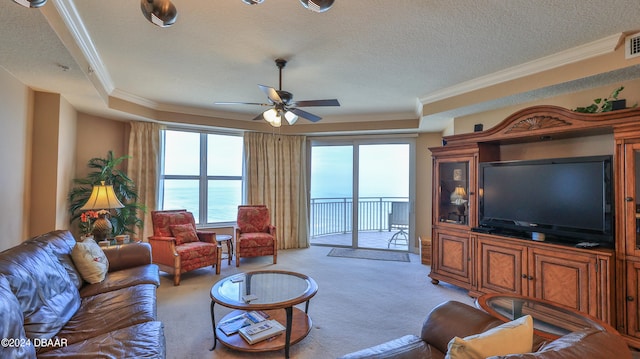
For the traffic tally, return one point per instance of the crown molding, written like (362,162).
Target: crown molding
(418,110)
(199,111)
(135,99)
(573,55)
(69,14)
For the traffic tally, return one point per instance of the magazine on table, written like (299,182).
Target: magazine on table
(258,332)
(233,324)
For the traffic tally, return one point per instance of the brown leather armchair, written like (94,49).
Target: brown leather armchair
(177,247)
(255,236)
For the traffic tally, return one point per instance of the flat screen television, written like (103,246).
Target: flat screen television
(566,200)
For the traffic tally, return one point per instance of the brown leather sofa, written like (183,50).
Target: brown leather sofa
(457,319)
(48,311)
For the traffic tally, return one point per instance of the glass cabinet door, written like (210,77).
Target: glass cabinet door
(631,175)
(635,180)
(453,198)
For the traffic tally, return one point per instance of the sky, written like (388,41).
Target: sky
(224,157)
(383,171)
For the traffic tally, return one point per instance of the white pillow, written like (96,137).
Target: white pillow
(90,261)
(515,337)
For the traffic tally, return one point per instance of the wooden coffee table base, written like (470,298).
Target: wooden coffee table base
(300,328)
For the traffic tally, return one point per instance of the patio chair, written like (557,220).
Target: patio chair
(399,221)
(255,236)
(177,247)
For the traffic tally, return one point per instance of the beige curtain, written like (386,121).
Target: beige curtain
(143,167)
(276,176)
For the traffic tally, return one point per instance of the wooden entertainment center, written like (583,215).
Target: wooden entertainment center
(599,281)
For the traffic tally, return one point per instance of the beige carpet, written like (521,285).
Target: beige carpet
(359,303)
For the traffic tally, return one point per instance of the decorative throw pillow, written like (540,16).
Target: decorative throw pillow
(90,261)
(515,337)
(184,233)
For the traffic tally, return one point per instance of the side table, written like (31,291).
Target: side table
(220,238)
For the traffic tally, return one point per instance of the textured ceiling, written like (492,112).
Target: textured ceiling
(378,58)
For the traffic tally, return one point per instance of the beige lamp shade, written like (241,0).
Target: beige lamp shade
(458,195)
(102,197)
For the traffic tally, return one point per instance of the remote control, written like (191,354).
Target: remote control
(249,297)
(587,244)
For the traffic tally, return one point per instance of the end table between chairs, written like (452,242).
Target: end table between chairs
(220,238)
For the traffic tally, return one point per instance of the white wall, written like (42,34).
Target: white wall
(15,120)
(66,161)
(37,158)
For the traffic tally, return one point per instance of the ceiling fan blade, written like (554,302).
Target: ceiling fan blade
(242,103)
(259,117)
(271,93)
(309,116)
(313,103)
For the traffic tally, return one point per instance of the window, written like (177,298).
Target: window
(202,173)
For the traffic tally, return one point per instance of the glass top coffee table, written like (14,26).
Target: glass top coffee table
(550,320)
(269,291)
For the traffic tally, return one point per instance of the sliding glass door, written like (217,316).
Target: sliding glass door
(331,200)
(361,194)
(383,196)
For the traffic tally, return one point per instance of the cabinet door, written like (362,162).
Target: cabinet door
(631,199)
(452,258)
(632,299)
(454,196)
(501,266)
(563,277)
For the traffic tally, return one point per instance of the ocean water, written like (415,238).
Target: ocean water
(383,177)
(224,198)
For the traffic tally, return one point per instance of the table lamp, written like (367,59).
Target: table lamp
(102,199)
(458,198)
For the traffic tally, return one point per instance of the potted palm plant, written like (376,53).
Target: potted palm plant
(124,220)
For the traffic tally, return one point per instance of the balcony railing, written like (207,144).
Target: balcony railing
(333,215)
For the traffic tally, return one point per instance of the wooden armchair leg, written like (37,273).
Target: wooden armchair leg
(176,278)
(275,250)
(218,260)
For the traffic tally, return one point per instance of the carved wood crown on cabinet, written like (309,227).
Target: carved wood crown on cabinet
(601,282)
(536,123)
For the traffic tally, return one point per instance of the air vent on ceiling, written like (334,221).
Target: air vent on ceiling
(632,46)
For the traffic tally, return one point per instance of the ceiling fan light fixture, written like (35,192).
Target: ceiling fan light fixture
(281,106)
(277,122)
(317,5)
(159,12)
(31,3)
(291,117)
(273,117)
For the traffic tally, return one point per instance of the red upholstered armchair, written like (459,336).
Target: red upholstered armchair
(255,236)
(177,247)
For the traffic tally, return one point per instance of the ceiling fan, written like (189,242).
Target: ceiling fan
(282,104)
